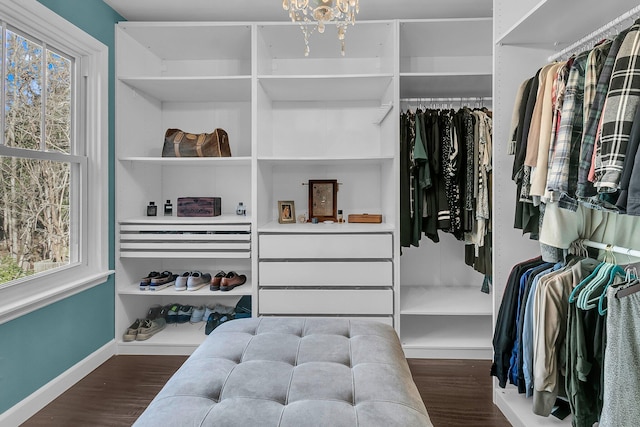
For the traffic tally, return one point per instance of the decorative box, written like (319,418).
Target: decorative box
(366,218)
(199,206)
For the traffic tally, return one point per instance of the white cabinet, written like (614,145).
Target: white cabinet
(290,119)
(443,314)
(527,34)
(196,77)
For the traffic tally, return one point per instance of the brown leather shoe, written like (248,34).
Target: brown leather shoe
(231,280)
(216,280)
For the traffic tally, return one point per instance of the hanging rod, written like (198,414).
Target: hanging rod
(612,248)
(466,98)
(595,34)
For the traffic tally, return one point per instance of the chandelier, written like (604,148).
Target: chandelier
(306,12)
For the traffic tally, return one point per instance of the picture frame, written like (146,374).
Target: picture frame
(323,199)
(286,212)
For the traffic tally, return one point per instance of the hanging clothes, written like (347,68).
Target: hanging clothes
(445,180)
(622,378)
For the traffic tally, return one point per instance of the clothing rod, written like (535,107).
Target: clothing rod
(597,33)
(467,98)
(612,248)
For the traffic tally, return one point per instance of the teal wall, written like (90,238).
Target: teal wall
(37,347)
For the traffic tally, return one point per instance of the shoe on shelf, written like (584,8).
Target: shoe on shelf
(184,313)
(212,322)
(231,280)
(144,282)
(162,281)
(172,313)
(181,281)
(215,320)
(132,331)
(198,280)
(215,281)
(198,314)
(149,328)
(155,311)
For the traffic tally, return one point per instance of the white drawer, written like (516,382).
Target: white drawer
(310,246)
(325,301)
(329,273)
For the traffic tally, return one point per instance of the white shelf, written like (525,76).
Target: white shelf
(333,161)
(366,39)
(193,89)
(190,161)
(519,411)
(353,87)
(437,85)
(174,220)
(546,25)
(245,289)
(192,40)
(464,37)
(444,301)
(446,332)
(306,228)
(175,338)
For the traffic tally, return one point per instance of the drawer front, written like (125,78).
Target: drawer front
(330,273)
(325,301)
(310,246)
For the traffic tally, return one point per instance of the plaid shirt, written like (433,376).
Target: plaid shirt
(585,187)
(562,177)
(595,63)
(622,100)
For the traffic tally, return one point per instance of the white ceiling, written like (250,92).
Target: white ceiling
(271,10)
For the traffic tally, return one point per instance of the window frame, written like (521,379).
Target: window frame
(90,119)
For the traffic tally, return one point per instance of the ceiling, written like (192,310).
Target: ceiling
(271,10)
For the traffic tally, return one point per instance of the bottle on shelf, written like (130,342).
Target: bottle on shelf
(168,208)
(152,209)
(241,209)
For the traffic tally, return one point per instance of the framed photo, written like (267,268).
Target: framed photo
(286,212)
(323,199)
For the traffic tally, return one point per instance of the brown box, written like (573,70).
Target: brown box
(199,206)
(366,218)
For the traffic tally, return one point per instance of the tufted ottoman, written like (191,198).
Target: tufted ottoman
(292,372)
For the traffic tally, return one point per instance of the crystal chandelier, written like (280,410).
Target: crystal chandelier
(342,12)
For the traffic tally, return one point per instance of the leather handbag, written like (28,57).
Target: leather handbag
(183,144)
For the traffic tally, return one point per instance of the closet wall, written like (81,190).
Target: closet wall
(526,34)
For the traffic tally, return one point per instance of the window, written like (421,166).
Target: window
(53,155)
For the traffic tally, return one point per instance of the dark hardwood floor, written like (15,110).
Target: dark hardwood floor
(455,392)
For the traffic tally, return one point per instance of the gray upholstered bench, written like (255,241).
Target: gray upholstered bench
(292,372)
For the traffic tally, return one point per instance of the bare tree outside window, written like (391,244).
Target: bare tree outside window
(35,193)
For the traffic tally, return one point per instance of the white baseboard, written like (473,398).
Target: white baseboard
(40,398)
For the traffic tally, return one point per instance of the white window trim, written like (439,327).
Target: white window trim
(42,290)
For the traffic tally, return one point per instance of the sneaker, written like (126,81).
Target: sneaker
(215,282)
(132,331)
(231,280)
(163,281)
(155,311)
(198,280)
(184,313)
(197,315)
(181,281)
(172,313)
(212,322)
(144,282)
(149,328)
(215,320)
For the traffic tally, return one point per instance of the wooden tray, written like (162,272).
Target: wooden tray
(366,218)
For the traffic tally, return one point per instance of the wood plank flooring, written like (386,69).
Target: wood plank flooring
(455,392)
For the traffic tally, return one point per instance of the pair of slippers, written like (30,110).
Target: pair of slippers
(226,281)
